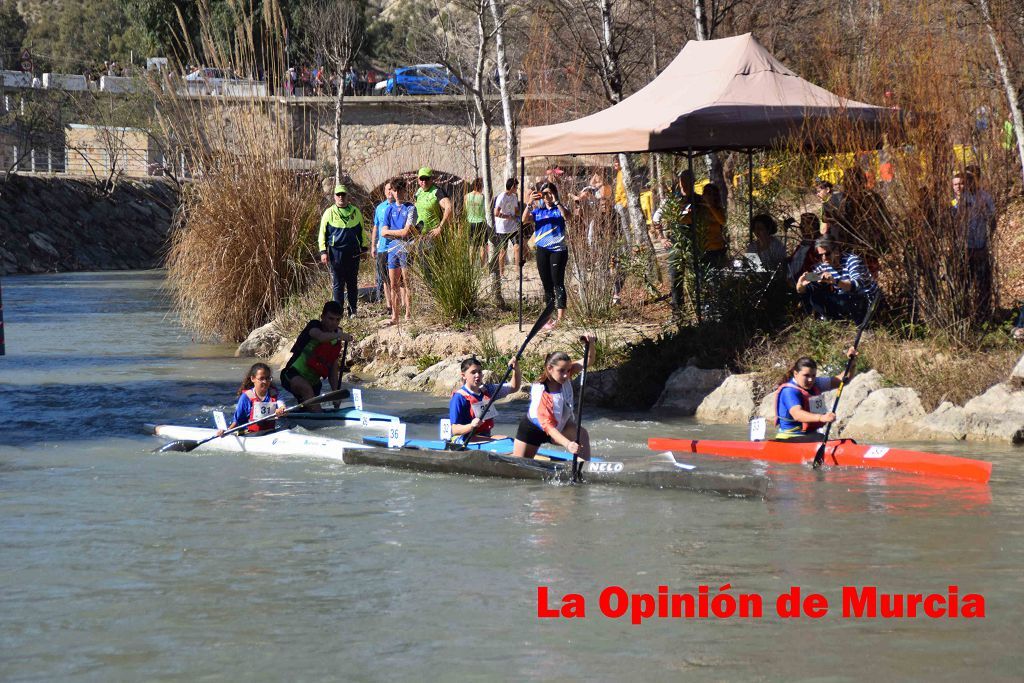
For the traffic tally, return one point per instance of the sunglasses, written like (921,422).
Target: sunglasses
(424,177)
(339,194)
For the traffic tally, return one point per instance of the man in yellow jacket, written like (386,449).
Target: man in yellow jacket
(342,243)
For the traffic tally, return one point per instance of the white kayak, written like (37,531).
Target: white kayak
(279,442)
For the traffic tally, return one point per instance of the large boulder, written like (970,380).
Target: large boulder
(948,421)
(261,342)
(996,415)
(888,414)
(441,378)
(731,403)
(1017,374)
(687,387)
(602,387)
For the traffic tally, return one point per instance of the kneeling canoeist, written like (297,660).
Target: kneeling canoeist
(316,355)
(464,409)
(551,417)
(257,398)
(799,404)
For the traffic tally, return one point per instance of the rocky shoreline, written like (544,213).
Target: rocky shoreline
(870,410)
(62,224)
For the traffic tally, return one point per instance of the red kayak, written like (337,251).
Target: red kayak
(840,452)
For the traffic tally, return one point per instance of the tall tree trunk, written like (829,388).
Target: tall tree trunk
(511,140)
(485,148)
(655,159)
(713,161)
(339,103)
(1004,73)
(640,238)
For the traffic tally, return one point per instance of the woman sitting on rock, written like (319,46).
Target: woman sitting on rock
(799,404)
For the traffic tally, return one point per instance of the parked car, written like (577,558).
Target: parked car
(423,79)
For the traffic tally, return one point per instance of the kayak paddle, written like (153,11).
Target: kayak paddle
(187,445)
(544,315)
(819,456)
(577,463)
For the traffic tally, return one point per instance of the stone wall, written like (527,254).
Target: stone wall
(57,224)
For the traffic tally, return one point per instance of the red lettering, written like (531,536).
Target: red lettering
(815,606)
(621,602)
(788,604)
(574,606)
(974,606)
(543,611)
(935,606)
(954,603)
(859,603)
(643,607)
(892,605)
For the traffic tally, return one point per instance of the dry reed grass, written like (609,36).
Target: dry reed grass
(245,236)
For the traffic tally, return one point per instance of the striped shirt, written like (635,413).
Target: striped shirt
(851,268)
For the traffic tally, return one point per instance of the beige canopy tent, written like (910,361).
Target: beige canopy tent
(725,94)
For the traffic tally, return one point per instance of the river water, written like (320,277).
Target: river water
(119,564)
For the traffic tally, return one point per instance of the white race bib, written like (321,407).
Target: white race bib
(261,410)
(220,420)
(396,435)
(446,430)
(477,408)
(758,427)
(357,399)
(817,405)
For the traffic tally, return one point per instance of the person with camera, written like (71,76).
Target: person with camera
(548,215)
(840,286)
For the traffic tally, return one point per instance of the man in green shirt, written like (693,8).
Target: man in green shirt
(433,205)
(342,243)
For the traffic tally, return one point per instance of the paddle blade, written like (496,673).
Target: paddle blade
(183,446)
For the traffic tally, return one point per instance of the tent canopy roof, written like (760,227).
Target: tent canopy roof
(729,93)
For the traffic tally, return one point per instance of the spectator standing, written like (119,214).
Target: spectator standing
(865,218)
(506,223)
(768,248)
(710,222)
(476,216)
(342,242)
(831,201)
(548,216)
(621,199)
(976,215)
(679,208)
(839,287)
(378,243)
(433,205)
(401,225)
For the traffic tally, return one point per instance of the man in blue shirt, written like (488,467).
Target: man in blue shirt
(377,243)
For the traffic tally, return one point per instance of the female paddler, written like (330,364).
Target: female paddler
(551,417)
(469,400)
(799,404)
(257,399)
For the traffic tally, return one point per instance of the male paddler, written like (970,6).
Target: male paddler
(316,355)
(341,245)
(433,205)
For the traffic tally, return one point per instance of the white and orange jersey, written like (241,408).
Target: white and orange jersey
(551,408)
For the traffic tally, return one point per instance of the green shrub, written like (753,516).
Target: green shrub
(449,272)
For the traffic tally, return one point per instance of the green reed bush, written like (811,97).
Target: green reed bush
(447,271)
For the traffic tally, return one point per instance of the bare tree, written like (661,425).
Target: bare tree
(337,35)
(511,136)
(1012,96)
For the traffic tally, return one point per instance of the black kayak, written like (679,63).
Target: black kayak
(660,471)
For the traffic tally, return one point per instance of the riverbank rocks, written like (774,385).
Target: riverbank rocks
(1017,374)
(946,422)
(996,415)
(732,402)
(262,342)
(64,224)
(687,387)
(440,378)
(886,414)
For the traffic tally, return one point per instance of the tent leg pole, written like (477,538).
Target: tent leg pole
(522,243)
(750,195)
(698,270)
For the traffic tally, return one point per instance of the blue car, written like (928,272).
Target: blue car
(423,79)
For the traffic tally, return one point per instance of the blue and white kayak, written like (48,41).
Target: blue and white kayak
(500,446)
(350,417)
(283,442)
